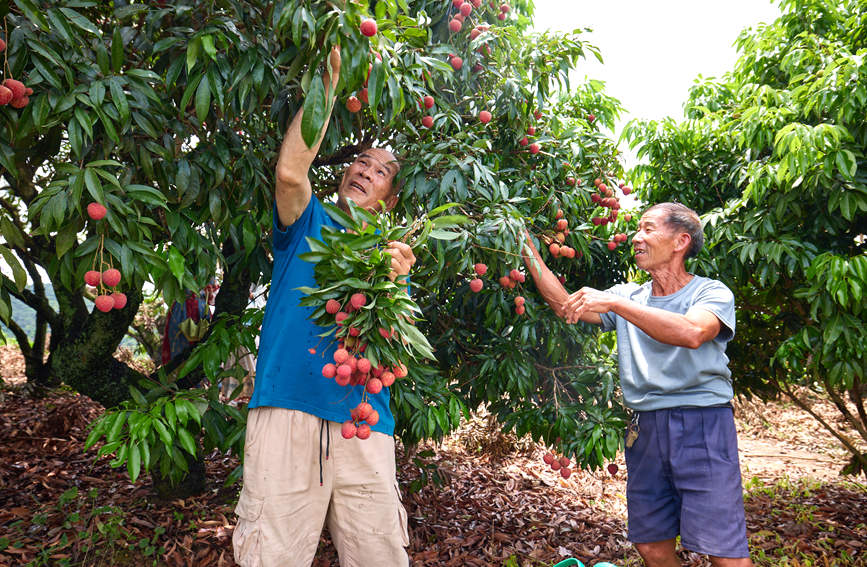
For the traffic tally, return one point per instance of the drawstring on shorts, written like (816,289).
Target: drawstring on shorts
(327,429)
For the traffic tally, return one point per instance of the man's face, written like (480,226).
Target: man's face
(655,242)
(368,180)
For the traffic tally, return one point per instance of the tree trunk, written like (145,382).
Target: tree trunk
(82,355)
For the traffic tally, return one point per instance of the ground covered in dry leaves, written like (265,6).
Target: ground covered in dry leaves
(489,500)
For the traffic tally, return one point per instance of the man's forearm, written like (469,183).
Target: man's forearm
(667,327)
(553,292)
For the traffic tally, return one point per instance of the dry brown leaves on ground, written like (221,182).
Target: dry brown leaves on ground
(498,505)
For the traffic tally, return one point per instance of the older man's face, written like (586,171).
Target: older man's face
(655,241)
(369,179)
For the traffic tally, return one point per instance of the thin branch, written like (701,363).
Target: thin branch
(21,337)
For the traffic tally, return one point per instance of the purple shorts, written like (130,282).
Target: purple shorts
(684,479)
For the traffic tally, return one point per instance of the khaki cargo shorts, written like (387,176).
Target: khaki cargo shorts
(299,474)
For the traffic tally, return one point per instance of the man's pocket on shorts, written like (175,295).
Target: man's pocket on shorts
(247,537)
(402,518)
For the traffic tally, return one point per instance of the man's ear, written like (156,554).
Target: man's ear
(391,202)
(682,242)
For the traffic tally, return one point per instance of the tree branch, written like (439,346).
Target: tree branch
(21,337)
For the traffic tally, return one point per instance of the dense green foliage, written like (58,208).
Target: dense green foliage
(170,114)
(774,156)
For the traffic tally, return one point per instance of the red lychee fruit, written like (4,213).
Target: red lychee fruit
(612,245)
(519,301)
(428,101)
(554,249)
(363,365)
(501,16)
(374,385)
(332,306)
(341,355)
(19,102)
(104,303)
(517,276)
(591,118)
(362,95)
(612,469)
(504,7)
(92,277)
(456,63)
(384,333)
(466,9)
(627,217)
(427,121)
(368,27)
(559,214)
(531,131)
(455,25)
(399,371)
(519,310)
(460,17)
(474,33)
(565,472)
(505,281)
(344,371)
(387,378)
(548,458)
(564,461)
(119,300)
(373,418)
(111,277)
(96,211)
(537,115)
(363,410)
(363,431)
(358,300)
(484,116)
(570,181)
(534,148)
(329,370)
(5,95)
(348,429)
(481,269)
(555,464)
(562,224)
(342,379)
(476,285)
(341,317)
(524,141)
(353,105)
(3,45)
(17,87)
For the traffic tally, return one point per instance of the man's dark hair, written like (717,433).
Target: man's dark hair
(681,218)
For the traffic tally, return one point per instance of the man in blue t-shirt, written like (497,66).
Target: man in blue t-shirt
(299,471)
(683,473)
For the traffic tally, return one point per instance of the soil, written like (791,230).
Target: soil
(490,500)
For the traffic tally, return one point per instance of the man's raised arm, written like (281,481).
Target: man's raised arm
(293,189)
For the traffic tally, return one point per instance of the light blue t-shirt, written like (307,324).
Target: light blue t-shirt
(287,375)
(655,375)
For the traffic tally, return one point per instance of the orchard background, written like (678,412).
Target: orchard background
(170,115)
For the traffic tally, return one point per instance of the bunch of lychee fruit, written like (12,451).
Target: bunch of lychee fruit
(508,281)
(558,464)
(351,368)
(101,279)
(13,92)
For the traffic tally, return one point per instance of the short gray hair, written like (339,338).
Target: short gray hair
(683,219)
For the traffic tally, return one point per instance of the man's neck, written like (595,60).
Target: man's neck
(669,280)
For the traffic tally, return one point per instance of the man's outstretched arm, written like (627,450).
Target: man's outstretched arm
(293,189)
(549,286)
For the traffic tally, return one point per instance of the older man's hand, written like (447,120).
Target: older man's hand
(402,259)
(587,300)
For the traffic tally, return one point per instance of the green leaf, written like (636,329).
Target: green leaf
(203,99)
(176,263)
(18,273)
(375,84)
(187,441)
(133,463)
(80,21)
(316,112)
(116,50)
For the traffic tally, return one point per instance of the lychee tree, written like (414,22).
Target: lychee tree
(169,114)
(773,154)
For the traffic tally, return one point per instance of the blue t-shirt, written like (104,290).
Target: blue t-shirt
(655,375)
(287,375)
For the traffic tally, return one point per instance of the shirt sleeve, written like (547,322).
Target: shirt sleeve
(609,320)
(719,300)
(287,240)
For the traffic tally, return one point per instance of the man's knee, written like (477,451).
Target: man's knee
(658,553)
